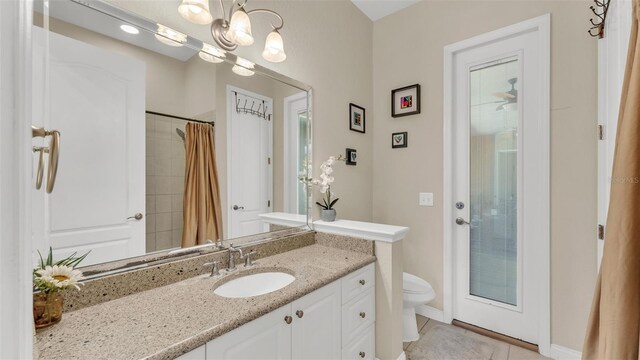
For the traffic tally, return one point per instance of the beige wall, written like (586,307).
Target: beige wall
(329,46)
(408,49)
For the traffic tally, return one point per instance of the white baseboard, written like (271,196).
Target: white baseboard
(563,353)
(430,312)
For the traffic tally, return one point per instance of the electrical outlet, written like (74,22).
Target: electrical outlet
(426,199)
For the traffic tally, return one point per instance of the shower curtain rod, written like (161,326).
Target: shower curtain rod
(212,123)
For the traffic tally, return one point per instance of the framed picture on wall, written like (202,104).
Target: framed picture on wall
(405,101)
(352,157)
(399,140)
(357,120)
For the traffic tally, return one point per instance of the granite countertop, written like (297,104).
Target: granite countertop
(166,322)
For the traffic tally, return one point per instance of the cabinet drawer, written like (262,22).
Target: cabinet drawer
(362,347)
(357,315)
(358,282)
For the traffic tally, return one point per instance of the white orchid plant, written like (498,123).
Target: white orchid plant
(325,182)
(52,276)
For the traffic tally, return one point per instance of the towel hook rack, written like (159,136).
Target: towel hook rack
(600,11)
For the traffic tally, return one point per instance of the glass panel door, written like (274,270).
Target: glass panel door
(493,181)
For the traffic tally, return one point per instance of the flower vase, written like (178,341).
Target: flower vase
(47,309)
(328,215)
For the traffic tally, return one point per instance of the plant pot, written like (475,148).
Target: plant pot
(47,309)
(328,215)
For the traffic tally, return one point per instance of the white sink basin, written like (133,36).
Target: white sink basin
(254,284)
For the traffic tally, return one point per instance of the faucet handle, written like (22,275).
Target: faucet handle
(214,270)
(248,261)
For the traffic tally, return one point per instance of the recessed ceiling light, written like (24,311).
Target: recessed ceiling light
(129,29)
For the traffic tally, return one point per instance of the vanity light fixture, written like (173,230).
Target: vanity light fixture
(168,36)
(129,29)
(243,67)
(234,30)
(211,54)
(196,11)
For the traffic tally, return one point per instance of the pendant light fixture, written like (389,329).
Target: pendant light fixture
(234,30)
(168,36)
(243,67)
(196,11)
(211,54)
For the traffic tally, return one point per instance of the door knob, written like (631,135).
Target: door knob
(236,207)
(461,221)
(136,216)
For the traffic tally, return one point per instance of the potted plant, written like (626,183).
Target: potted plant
(49,279)
(328,213)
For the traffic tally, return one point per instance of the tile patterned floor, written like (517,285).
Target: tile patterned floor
(501,350)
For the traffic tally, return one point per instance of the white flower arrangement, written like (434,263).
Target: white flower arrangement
(325,182)
(52,276)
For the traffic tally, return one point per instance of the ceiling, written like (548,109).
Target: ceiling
(377,9)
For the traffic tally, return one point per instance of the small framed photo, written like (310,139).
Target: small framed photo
(352,157)
(357,119)
(405,101)
(399,140)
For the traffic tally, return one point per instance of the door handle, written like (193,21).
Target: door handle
(461,221)
(136,216)
(54,153)
(236,207)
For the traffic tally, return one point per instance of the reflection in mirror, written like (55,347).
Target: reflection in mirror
(164,144)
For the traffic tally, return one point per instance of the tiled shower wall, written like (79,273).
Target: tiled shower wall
(165,168)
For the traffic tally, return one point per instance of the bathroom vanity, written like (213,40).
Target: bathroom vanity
(328,311)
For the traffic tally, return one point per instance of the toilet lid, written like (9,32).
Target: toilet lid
(414,285)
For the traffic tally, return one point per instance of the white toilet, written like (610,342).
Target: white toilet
(415,292)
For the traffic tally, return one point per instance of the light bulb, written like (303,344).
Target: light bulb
(243,67)
(170,37)
(274,48)
(195,11)
(240,28)
(211,53)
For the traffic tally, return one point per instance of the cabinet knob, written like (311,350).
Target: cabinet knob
(288,319)
(362,354)
(362,282)
(362,314)
(300,313)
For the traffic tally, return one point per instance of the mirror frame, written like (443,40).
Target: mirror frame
(170,255)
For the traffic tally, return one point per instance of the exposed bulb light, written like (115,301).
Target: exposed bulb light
(129,29)
(274,48)
(211,54)
(195,11)
(240,28)
(243,67)
(168,36)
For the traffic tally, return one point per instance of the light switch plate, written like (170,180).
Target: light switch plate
(426,199)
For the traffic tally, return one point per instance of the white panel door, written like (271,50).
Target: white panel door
(296,125)
(316,325)
(96,99)
(250,174)
(497,163)
(268,337)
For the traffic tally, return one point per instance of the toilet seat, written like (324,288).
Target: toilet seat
(412,284)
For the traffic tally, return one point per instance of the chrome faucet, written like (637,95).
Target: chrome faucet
(232,260)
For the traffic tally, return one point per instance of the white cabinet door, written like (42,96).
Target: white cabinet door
(268,337)
(96,101)
(316,324)
(195,354)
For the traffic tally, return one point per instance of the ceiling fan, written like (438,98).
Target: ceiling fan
(510,98)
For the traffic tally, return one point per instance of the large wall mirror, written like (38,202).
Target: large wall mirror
(166,144)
